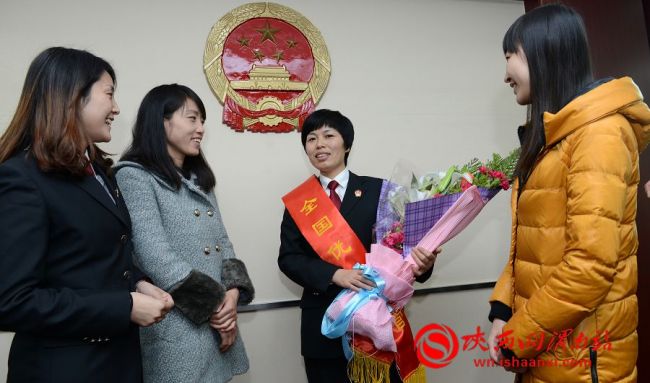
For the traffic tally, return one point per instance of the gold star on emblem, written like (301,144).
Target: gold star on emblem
(258,55)
(243,41)
(279,55)
(268,33)
(291,43)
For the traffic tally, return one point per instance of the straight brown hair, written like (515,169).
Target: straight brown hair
(46,122)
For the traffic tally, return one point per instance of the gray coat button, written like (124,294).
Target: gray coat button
(206,250)
(210,213)
(197,212)
(217,248)
(126,275)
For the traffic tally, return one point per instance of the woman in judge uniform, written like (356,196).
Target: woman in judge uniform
(327,138)
(67,282)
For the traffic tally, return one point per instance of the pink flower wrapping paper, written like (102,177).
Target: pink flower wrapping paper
(373,317)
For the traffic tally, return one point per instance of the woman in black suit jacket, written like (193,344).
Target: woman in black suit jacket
(66,277)
(327,137)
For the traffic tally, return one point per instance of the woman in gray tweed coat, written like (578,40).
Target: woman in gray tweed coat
(181,243)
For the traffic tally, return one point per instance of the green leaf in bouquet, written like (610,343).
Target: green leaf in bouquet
(427,183)
(446,180)
(510,163)
(472,166)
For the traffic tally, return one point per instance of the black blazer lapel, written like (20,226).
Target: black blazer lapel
(91,186)
(111,184)
(353,193)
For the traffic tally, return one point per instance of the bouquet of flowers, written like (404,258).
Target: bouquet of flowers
(409,211)
(426,212)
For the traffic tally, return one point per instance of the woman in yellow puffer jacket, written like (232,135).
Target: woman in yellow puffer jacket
(565,307)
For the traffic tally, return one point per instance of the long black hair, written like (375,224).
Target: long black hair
(554,40)
(149,146)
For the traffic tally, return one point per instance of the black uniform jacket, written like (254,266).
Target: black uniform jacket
(65,277)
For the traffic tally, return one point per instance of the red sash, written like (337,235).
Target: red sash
(321,223)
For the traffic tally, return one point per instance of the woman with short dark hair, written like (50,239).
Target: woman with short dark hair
(327,138)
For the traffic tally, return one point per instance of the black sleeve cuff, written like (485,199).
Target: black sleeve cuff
(425,276)
(197,296)
(499,310)
(508,353)
(139,275)
(234,275)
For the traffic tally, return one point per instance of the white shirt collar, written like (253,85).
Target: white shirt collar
(342,178)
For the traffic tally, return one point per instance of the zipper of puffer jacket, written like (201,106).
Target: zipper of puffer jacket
(593,358)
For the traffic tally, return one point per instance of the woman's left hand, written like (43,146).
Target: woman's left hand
(424,260)
(146,288)
(225,317)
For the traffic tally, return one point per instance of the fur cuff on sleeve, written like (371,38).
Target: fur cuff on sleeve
(234,274)
(197,296)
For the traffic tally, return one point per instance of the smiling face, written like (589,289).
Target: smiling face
(326,151)
(518,76)
(184,131)
(98,110)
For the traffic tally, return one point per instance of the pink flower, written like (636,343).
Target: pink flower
(395,237)
(482,169)
(464,184)
(505,185)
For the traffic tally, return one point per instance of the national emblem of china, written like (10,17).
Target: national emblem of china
(268,66)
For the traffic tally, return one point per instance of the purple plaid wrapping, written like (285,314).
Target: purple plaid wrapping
(420,216)
(386,216)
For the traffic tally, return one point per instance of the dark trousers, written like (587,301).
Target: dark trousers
(335,371)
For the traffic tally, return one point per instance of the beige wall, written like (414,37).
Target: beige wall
(421,80)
